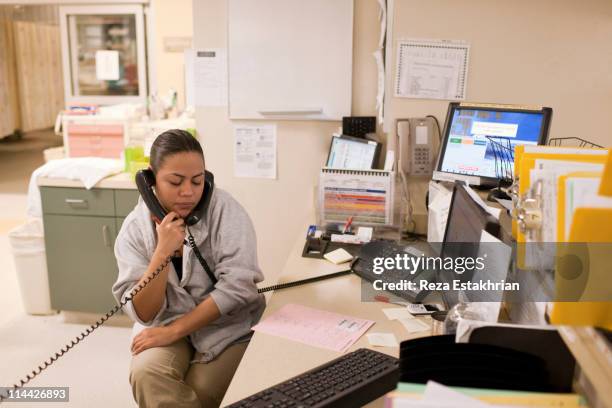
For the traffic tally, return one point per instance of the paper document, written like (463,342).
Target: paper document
(382,339)
(435,392)
(495,212)
(411,395)
(396,313)
(498,263)
(107,65)
(547,172)
(439,206)
(582,192)
(380,60)
(545,176)
(206,77)
(432,69)
(507,204)
(380,95)
(255,151)
(413,325)
(435,395)
(314,327)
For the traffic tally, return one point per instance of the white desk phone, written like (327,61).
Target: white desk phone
(417,145)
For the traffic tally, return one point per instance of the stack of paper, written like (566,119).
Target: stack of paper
(436,395)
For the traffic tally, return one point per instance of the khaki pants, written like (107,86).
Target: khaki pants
(163,377)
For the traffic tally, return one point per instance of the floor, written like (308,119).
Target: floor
(96,370)
(18,158)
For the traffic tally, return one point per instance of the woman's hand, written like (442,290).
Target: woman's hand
(170,234)
(153,337)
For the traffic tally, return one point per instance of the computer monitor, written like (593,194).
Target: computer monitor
(464,226)
(347,152)
(467,153)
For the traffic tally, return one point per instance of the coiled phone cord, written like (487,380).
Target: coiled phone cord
(90,329)
(212,277)
(303,281)
(79,338)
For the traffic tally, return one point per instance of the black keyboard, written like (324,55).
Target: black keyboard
(363,266)
(348,381)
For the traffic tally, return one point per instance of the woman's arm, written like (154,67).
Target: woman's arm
(203,314)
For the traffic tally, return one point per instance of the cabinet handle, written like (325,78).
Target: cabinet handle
(76,202)
(106,236)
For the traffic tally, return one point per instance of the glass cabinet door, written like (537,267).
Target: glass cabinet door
(104,49)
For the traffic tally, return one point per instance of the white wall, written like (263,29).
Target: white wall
(546,52)
(170,19)
(555,53)
(279,208)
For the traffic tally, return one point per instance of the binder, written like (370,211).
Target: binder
(589,225)
(525,161)
(538,167)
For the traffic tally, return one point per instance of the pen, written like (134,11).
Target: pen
(348,224)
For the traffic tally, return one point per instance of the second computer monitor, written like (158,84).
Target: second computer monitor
(467,151)
(354,153)
(462,237)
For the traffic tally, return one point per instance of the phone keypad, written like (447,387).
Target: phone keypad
(421,160)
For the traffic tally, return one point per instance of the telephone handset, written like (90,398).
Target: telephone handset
(417,147)
(145,180)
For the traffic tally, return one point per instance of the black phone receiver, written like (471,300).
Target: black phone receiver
(145,180)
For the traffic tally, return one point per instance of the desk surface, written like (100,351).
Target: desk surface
(269,360)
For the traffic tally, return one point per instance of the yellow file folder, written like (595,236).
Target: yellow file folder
(525,161)
(589,225)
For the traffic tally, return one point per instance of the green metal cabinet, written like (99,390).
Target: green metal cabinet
(125,200)
(80,230)
(80,260)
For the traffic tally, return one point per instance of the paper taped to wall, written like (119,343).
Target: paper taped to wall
(255,151)
(432,69)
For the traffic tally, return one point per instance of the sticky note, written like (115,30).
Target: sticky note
(338,256)
(397,313)
(382,339)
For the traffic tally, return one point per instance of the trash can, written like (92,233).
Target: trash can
(27,243)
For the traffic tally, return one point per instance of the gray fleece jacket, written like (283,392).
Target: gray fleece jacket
(226,238)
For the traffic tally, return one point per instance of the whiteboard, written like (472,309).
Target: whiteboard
(290,59)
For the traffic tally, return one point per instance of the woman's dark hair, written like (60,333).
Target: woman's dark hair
(171,142)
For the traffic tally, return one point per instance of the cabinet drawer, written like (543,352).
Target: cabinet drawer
(80,262)
(77,201)
(125,201)
(98,146)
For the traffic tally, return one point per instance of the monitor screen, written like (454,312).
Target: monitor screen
(470,131)
(464,226)
(348,152)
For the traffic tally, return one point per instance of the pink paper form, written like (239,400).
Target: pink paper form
(314,327)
